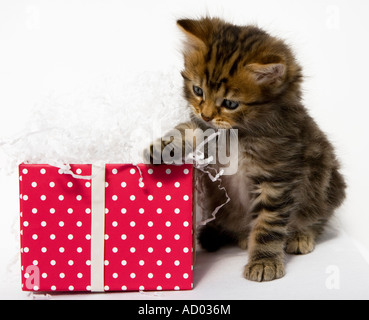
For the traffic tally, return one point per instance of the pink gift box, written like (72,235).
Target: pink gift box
(146,237)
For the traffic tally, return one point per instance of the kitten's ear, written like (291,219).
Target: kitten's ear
(268,74)
(196,31)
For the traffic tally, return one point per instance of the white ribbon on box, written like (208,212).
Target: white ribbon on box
(97,228)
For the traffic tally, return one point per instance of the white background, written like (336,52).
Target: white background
(55,46)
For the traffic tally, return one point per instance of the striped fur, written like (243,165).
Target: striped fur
(288,184)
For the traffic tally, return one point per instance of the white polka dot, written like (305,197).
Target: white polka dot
(88,210)
(52,236)
(25,197)
(88,184)
(52,210)
(168,197)
(185,197)
(115,275)
(141,262)
(53,288)
(61,223)
(132,171)
(132,197)
(88,237)
(124,263)
(35,262)
(106,210)
(79,197)
(62,275)
(71,288)
(159,288)
(106,288)
(115,250)
(53,262)
(141,210)
(35,288)
(176,210)
(79,275)
(43,171)
(34,210)
(150,197)
(168,223)
(70,236)
(123,184)
(159,184)
(70,184)
(25,171)
(43,249)
(185,250)
(186,224)
(34,184)
(124,210)
(176,288)
(114,224)
(176,237)
(168,275)
(61,249)
(177,184)
(79,171)
(141,184)
(44,275)
(185,275)
(26,223)
(150,223)
(159,210)
(168,249)
(79,250)
(132,275)
(168,171)
(150,275)
(79,224)
(60,171)
(71,262)
(150,250)
(114,171)
(52,184)
(150,171)
(43,197)
(186,171)
(61,197)
(133,250)
(43,223)
(106,184)
(159,262)
(141,288)
(106,262)
(159,237)
(132,223)
(124,288)
(141,237)
(123,236)
(176,263)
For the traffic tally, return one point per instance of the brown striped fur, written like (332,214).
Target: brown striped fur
(288,184)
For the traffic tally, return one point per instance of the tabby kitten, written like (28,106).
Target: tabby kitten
(288,184)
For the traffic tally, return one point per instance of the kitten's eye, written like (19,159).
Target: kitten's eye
(229,104)
(198,91)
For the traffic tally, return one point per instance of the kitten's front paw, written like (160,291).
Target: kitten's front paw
(300,244)
(265,270)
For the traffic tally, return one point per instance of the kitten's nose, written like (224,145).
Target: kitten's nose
(206,118)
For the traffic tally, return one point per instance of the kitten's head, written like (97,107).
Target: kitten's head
(232,71)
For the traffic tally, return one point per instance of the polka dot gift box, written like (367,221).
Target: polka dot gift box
(119,228)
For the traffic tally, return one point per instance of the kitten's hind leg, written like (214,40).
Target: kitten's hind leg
(212,238)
